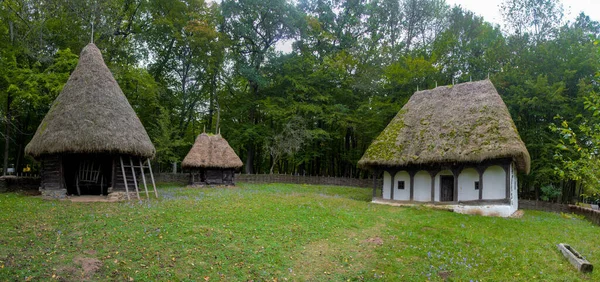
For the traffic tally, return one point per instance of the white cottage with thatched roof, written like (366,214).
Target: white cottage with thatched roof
(91,141)
(211,161)
(452,145)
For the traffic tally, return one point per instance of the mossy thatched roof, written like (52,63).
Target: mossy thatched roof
(91,115)
(211,151)
(466,122)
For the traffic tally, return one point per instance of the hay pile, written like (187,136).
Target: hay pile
(211,151)
(466,122)
(91,115)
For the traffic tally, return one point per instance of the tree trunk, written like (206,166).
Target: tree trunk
(249,159)
(6,134)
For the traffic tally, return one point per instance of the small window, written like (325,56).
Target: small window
(476,185)
(400,185)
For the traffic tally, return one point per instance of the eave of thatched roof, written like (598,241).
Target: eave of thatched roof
(211,151)
(91,115)
(464,123)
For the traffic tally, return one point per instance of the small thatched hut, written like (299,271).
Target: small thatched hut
(454,145)
(90,139)
(211,161)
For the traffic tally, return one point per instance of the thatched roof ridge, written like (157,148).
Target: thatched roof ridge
(91,115)
(211,151)
(463,123)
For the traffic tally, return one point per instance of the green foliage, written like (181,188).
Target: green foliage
(550,193)
(186,65)
(165,139)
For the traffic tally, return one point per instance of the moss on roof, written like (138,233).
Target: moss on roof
(468,122)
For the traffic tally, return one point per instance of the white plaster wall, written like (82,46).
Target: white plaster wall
(403,195)
(466,185)
(494,183)
(437,183)
(487,210)
(422,190)
(514,189)
(387,178)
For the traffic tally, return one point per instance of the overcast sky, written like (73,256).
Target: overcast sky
(490,9)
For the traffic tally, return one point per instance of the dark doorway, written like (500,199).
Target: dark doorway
(91,172)
(446,188)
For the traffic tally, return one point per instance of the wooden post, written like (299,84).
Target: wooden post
(137,192)
(392,175)
(113,179)
(152,178)
(144,178)
(412,173)
(433,173)
(374,184)
(480,171)
(506,168)
(456,172)
(124,177)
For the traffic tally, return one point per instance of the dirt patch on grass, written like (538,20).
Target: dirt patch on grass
(374,240)
(88,265)
(445,275)
(346,256)
(518,214)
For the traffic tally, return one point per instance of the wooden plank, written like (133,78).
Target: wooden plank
(124,177)
(575,258)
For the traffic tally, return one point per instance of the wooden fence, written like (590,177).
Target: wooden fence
(13,183)
(590,214)
(183,178)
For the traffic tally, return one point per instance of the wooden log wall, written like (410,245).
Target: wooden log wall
(119,184)
(52,173)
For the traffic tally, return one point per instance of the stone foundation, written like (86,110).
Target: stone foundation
(54,194)
(122,196)
(3,185)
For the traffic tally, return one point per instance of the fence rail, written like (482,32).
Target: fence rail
(183,178)
(590,214)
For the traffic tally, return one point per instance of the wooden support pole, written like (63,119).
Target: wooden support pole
(137,192)
(152,178)
(124,177)
(412,173)
(456,172)
(507,177)
(144,178)
(374,184)
(433,173)
(480,171)
(392,175)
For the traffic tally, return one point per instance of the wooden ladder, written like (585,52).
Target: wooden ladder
(142,165)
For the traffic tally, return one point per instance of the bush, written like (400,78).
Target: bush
(550,193)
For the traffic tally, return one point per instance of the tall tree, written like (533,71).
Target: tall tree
(256,26)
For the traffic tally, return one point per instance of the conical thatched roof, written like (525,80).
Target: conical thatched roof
(466,122)
(91,115)
(211,151)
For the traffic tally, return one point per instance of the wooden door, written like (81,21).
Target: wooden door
(447,188)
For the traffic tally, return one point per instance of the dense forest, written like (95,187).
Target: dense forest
(189,66)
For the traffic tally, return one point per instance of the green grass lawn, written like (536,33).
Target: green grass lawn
(280,232)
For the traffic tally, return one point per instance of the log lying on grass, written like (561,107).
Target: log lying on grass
(575,258)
